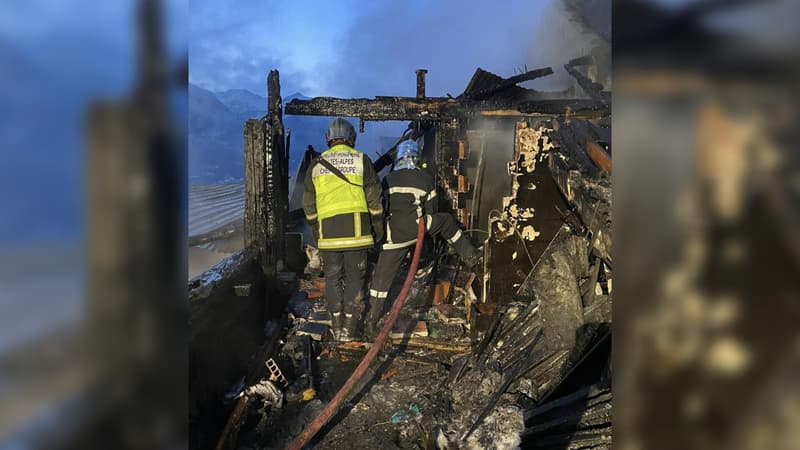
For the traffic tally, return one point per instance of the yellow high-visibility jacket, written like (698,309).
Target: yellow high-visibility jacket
(343,213)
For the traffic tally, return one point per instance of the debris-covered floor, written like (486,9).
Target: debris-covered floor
(430,387)
(405,401)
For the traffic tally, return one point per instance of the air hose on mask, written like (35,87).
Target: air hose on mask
(333,406)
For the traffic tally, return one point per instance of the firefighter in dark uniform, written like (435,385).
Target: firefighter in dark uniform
(409,193)
(342,203)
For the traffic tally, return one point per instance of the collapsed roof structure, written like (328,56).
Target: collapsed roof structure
(517,352)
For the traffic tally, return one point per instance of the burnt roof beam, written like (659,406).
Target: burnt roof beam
(379,108)
(508,82)
(436,108)
(592,89)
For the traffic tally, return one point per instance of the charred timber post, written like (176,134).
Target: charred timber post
(421,82)
(256,161)
(277,175)
(266,181)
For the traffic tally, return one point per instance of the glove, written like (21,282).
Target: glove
(377,228)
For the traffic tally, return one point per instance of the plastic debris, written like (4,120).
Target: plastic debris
(404,415)
(316,331)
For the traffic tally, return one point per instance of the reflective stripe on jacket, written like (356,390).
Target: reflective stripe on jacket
(341,210)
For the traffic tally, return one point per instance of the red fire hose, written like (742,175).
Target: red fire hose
(333,406)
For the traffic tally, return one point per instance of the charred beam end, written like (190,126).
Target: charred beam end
(592,89)
(434,108)
(581,61)
(273,93)
(421,82)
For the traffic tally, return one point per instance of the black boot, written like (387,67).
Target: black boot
(374,315)
(337,320)
(353,325)
(349,329)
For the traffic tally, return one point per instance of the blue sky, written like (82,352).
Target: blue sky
(357,48)
(57,57)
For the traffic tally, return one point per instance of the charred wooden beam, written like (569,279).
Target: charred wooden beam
(585,186)
(431,344)
(550,107)
(581,61)
(592,417)
(588,396)
(435,108)
(577,420)
(508,82)
(592,89)
(379,108)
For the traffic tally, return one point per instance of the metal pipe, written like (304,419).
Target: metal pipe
(333,406)
(599,156)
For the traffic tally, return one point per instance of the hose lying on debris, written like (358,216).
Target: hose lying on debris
(333,406)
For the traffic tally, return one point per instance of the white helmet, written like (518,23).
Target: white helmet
(407,154)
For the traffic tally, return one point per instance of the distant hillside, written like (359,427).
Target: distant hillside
(306,130)
(244,102)
(216,141)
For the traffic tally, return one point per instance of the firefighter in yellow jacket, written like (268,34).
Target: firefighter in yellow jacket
(342,203)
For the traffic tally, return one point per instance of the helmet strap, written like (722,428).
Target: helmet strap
(338,141)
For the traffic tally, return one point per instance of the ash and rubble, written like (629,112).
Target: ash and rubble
(513,354)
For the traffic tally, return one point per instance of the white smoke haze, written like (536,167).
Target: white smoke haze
(569,29)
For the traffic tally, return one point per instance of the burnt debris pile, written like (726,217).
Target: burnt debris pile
(513,352)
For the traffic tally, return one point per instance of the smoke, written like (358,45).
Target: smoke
(449,38)
(497,140)
(570,29)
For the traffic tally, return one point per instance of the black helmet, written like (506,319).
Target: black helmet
(340,129)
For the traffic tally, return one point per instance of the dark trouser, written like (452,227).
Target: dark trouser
(345,272)
(389,261)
